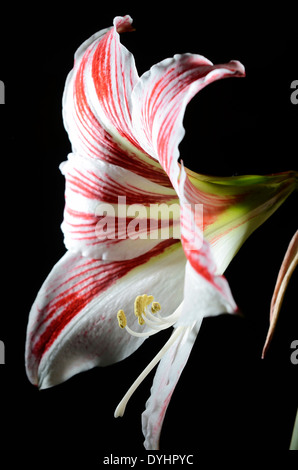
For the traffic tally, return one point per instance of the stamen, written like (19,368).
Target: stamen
(154,320)
(150,299)
(122,405)
(140,305)
(157,325)
(157,319)
(174,316)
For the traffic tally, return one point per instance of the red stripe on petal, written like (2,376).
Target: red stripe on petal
(160,99)
(82,110)
(102,187)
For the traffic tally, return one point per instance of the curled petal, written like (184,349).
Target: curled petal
(72,325)
(97,104)
(159,101)
(160,98)
(287,268)
(98,88)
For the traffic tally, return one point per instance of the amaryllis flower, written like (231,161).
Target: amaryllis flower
(125,132)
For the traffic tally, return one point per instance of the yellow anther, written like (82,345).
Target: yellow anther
(121,319)
(149,299)
(140,309)
(138,306)
(155,307)
(141,302)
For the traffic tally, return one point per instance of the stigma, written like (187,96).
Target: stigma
(147,313)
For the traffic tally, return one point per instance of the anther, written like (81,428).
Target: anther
(155,307)
(149,299)
(148,316)
(138,305)
(121,319)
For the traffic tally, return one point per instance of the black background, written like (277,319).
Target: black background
(227,398)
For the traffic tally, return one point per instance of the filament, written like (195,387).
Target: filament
(122,405)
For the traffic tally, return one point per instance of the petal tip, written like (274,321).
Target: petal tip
(237,67)
(123,23)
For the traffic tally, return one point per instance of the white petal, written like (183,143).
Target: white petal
(165,380)
(97,104)
(73,326)
(203,299)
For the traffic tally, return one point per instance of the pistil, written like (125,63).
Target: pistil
(156,323)
(178,333)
